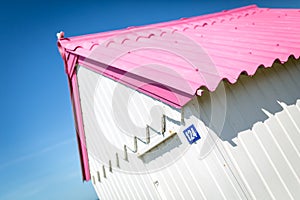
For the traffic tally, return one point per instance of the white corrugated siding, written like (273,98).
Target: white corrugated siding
(256,155)
(266,155)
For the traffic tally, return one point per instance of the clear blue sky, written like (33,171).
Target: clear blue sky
(38,152)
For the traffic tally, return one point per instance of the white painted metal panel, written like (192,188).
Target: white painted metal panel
(249,146)
(267,135)
(173,170)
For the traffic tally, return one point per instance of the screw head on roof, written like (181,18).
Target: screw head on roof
(60,35)
(199,92)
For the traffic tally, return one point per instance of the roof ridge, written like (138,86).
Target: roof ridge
(218,14)
(158,25)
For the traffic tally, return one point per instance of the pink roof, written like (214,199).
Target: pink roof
(171,61)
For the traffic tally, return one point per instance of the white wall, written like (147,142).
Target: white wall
(263,120)
(249,150)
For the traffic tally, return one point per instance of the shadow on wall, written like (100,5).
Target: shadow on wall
(251,99)
(157,152)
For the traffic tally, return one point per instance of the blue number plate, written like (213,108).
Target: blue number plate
(191,134)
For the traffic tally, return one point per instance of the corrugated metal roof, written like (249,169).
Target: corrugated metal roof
(170,61)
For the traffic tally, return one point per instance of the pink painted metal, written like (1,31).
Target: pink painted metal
(235,41)
(196,52)
(80,129)
(70,61)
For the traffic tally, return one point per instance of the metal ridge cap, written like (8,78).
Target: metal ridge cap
(156,25)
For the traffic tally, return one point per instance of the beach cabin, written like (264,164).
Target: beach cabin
(205,107)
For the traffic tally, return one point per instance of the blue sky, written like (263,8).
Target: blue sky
(39,157)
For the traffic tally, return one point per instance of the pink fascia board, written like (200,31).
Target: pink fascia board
(70,61)
(80,130)
(170,61)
